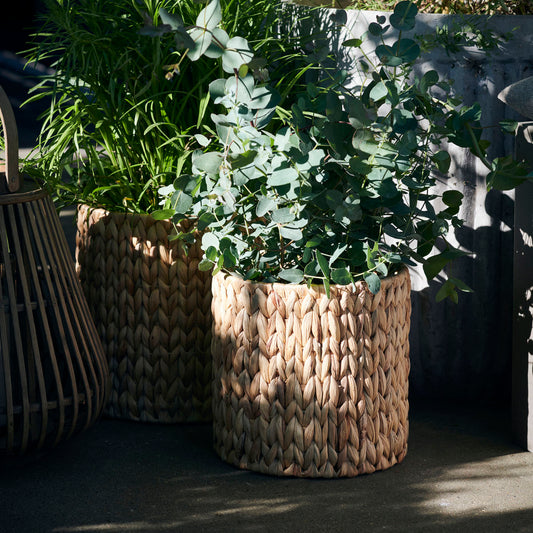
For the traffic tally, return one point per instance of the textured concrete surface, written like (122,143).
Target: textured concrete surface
(462,473)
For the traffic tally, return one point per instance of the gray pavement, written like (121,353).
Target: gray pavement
(462,472)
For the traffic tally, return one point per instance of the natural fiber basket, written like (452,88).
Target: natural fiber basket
(53,372)
(310,386)
(151,306)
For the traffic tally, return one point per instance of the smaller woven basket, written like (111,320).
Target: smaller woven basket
(310,386)
(152,309)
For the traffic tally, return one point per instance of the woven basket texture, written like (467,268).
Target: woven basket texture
(310,386)
(151,306)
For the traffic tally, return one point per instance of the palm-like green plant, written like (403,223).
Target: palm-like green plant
(126,101)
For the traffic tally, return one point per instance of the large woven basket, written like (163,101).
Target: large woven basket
(310,386)
(151,306)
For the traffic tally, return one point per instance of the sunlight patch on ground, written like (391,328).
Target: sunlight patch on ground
(498,484)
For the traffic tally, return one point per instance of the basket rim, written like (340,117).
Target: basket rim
(401,276)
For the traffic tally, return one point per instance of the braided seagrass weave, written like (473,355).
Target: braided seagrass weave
(151,306)
(310,386)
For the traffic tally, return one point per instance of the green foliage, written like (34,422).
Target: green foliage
(468,7)
(129,96)
(343,189)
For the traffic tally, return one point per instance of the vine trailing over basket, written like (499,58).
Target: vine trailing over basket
(340,187)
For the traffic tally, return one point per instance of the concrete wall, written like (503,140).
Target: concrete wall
(459,352)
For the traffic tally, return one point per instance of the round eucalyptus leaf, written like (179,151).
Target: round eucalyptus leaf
(292,275)
(373,282)
(202,40)
(211,16)
(379,91)
(282,176)
(181,202)
(209,240)
(404,15)
(407,49)
(265,205)
(171,19)
(387,56)
(163,214)
(264,97)
(211,253)
(217,88)
(341,276)
(292,234)
(283,215)
(209,162)
(241,89)
(219,39)
(430,78)
(237,53)
(375,29)
(205,265)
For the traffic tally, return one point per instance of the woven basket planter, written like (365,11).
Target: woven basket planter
(310,386)
(151,306)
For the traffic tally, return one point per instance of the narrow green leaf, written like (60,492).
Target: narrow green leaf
(356,43)
(322,263)
(447,290)
(435,264)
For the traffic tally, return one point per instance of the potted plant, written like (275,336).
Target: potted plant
(128,95)
(313,213)
(469,360)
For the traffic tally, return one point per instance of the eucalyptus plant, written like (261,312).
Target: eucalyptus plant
(129,90)
(339,186)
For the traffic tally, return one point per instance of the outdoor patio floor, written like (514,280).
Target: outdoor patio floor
(462,473)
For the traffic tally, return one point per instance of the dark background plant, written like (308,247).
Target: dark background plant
(468,7)
(343,191)
(118,128)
